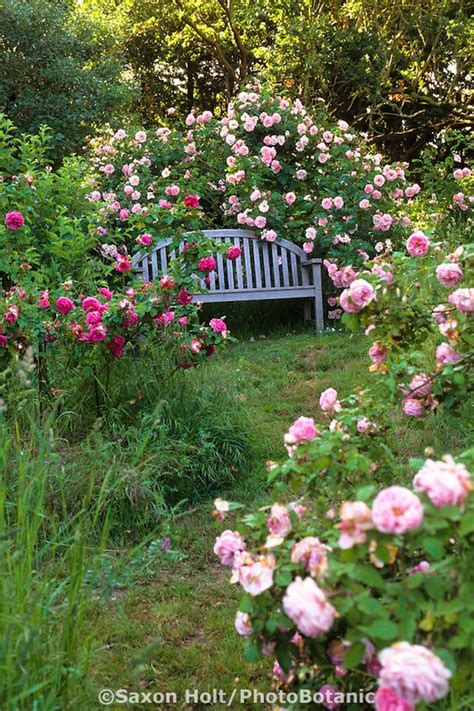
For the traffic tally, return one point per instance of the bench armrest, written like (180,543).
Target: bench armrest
(308,262)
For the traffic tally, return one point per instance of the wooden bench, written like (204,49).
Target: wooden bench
(264,270)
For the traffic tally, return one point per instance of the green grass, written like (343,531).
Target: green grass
(83,608)
(175,629)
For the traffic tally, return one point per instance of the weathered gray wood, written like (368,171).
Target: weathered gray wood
(294,269)
(284,264)
(248,264)
(276,266)
(261,272)
(230,268)
(266,265)
(256,262)
(238,265)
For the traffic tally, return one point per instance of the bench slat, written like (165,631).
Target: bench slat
(284,264)
(248,263)
(294,269)
(221,285)
(266,266)
(230,268)
(256,257)
(239,265)
(276,266)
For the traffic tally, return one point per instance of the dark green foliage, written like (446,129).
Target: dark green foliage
(60,66)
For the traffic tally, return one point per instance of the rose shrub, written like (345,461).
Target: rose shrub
(359,575)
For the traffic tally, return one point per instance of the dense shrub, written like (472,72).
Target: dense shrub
(61,67)
(353,579)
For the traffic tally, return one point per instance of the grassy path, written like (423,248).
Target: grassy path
(174,631)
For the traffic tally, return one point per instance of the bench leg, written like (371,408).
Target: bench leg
(318,298)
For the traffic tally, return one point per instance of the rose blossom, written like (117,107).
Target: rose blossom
(14,220)
(207,265)
(418,244)
(463,300)
(255,573)
(422,567)
(445,483)
(191,201)
(243,624)
(397,510)
(221,507)
(312,554)
(329,402)
(356,519)
(413,407)
(445,355)
(449,274)
(357,296)
(279,521)
(302,429)
(389,700)
(233,253)
(329,695)
(377,352)
(413,672)
(227,545)
(307,606)
(64,304)
(218,325)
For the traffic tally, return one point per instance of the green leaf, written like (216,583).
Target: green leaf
(251,652)
(354,655)
(371,607)
(368,575)
(467,524)
(283,655)
(382,629)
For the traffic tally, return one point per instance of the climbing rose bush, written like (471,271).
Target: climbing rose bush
(268,165)
(418,307)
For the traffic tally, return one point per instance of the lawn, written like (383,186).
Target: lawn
(172,630)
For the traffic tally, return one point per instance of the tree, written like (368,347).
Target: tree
(61,66)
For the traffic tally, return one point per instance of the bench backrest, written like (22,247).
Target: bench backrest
(262,265)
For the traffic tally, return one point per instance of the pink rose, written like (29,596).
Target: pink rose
(413,672)
(3,341)
(356,519)
(413,407)
(418,244)
(207,265)
(302,429)
(449,274)
(98,333)
(329,695)
(116,345)
(145,239)
(255,573)
(227,545)
(218,325)
(312,554)
(243,624)
(445,355)
(445,483)
(233,253)
(463,300)
(64,304)
(389,700)
(357,296)
(397,510)
(191,201)
(307,606)
(90,303)
(279,521)
(14,220)
(105,292)
(328,401)
(377,352)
